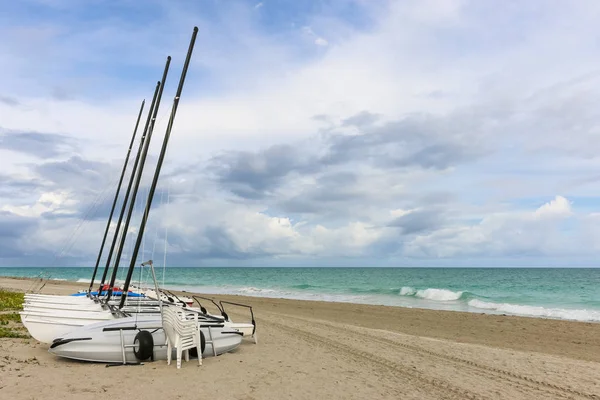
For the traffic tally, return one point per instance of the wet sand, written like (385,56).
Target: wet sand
(314,350)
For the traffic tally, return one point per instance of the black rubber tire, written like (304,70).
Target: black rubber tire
(145,345)
(194,352)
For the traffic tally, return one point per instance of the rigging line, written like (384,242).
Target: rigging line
(162,195)
(72,239)
(145,198)
(90,210)
(128,241)
(162,117)
(98,200)
(130,251)
(166,231)
(69,242)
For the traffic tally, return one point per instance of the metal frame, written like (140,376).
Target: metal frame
(240,305)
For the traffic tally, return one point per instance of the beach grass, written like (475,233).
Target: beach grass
(12,333)
(10,322)
(11,300)
(5,319)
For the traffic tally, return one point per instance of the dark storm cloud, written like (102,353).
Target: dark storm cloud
(42,145)
(76,173)
(212,243)
(12,229)
(254,175)
(420,221)
(17,187)
(331,194)
(12,225)
(417,141)
(220,245)
(414,223)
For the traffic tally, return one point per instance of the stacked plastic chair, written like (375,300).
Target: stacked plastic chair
(182,333)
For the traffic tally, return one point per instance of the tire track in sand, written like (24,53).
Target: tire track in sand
(483,370)
(443,387)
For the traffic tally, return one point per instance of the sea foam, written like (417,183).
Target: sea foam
(431,294)
(537,311)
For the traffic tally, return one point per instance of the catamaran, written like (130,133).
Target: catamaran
(87,327)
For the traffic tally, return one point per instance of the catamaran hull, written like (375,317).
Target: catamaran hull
(51,307)
(47,325)
(103,342)
(45,328)
(58,300)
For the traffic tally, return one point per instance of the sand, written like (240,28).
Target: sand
(321,350)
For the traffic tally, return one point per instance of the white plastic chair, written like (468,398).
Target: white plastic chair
(182,333)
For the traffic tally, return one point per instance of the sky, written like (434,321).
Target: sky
(309,133)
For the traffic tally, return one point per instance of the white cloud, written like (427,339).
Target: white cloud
(560,207)
(526,96)
(59,202)
(504,234)
(321,42)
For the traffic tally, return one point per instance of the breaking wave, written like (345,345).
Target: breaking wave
(538,311)
(456,296)
(432,294)
(255,291)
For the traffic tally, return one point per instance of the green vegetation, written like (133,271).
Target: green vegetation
(11,300)
(10,322)
(10,317)
(12,333)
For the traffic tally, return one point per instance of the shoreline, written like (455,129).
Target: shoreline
(433,298)
(314,349)
(459,326)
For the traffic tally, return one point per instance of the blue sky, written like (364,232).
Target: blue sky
(437,132)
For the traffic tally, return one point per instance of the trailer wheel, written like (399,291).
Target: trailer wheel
(193,351)
(144,345)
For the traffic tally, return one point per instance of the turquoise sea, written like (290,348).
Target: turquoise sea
(565,293)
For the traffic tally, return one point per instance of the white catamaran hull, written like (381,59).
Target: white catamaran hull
(58,300)
(45,328)
(47,325)
(52,307)
(103,342)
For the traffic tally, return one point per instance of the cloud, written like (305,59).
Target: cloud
(319,41)
(42,145)
(559,207)
(534,234)
(416,141)
(418,221)
(255,175)
(9,101)
(12,228)
(386,131)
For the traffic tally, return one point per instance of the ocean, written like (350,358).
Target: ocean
(563,293)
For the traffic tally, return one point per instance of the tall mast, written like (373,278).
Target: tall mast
(158,167)
(112,210)
(133,172)
(137,181)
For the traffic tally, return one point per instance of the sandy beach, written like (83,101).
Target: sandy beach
(315,350)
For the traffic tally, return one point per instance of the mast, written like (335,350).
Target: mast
(133,172)
(158,167)
(137,181)
(112,210)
